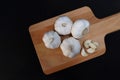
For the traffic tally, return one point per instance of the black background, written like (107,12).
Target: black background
(18,59)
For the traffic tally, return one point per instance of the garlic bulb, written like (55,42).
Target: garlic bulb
(63,25)
(80,28)
(51,40)
(70,47)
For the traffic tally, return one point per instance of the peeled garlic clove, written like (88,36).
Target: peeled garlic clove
(96,43)
(90,50)
(83,53)
(70,47)
(63,25)
(80,28)
(86,43)
(51,40)
(92,45)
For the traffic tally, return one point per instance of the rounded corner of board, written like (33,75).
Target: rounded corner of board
(46,73)
(87,7)
(30,28)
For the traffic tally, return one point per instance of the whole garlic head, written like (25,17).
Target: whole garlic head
(80,28)
(70,47)
(63,25)
(51,40)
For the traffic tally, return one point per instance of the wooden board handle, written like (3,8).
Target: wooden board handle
(109,24)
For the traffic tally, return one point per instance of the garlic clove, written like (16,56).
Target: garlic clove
(63,25)
(70,47)
(90,50)
(51,40)
(96,43)
(92,45)
(80,28)
(83,53)
(86,43)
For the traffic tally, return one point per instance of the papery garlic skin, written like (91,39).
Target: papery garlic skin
(51,40)
(80,28)
(70,47)
(63,25)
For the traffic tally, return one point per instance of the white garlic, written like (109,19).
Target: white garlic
(90,50)
(63,25)
(51,40)
(86,43)
(96,43)
(80,28)
(92,45)
(83,53)
(70,47)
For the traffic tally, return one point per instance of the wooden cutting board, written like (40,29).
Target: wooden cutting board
(53,60)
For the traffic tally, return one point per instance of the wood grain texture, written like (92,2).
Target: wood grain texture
(53,60)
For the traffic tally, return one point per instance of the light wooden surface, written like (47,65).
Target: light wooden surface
(53,60)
